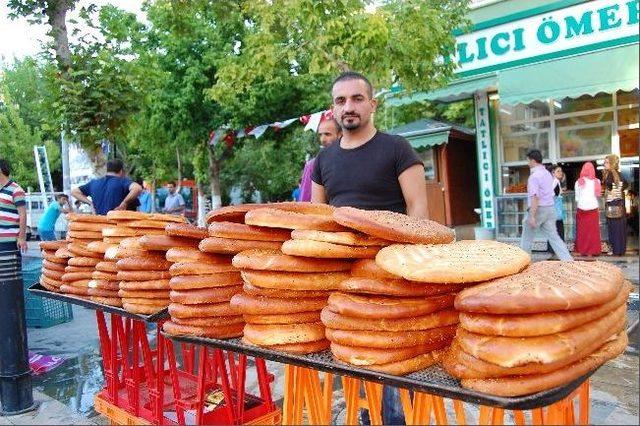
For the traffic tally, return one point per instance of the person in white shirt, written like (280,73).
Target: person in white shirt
(174,203)
(587,191)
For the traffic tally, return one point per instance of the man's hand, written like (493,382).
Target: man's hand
(22,244)
(531,220)
(121,206)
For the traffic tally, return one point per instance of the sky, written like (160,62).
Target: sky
(19,39)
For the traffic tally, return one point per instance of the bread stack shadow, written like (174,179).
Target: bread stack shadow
(539,329)
(201,286)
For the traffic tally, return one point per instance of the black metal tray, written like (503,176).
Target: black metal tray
(41,291)
(433,380)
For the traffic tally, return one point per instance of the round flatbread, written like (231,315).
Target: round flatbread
(186,230)
(278,218)
(294,280)
(394,226)
(345,238)
(229,246)
(232,213)
(424,322)
(376,307)
(274,260)
(310,248)
(240,231)
(465,261)
(545,287)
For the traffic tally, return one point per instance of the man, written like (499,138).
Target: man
(111,192)
(329,131)
(174,203)
(146,201)
(370,170)
(13,212)
(47,223)
(541,213)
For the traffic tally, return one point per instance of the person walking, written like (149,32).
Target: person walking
(47,223)
(111,192)
(614,186)
(587,192)
(559,186)
(145,198)
(541,214)
(174,203)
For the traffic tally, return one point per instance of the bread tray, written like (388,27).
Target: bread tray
(433,380)
(43,292)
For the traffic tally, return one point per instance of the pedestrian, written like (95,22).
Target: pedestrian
(614,185)
(559,186)
(368,169)
(145,198)
(174,203)
(541,214)
(587,192)
(329,131)
(113,191)
(47,223)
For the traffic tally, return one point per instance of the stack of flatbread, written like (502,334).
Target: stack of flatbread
(55,255)
(84,229)
(539,329)
(201,286)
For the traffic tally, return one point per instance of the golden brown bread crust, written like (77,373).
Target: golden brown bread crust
(115,253)
(284,334)
(83,261)
(166,242)
(111,301)
(223,309)
(310,248)
(141,309)
(545,287)
(118,231)
(86,226)
(232,213)
(376,307)
(53,274)
(252,305)
(278,218)
(184,255)
(107,267)
(128,215)
(524,385)
(290,318)
(294,281)
(209,321)
(467,261)
(147,224)
(204,295)
(142,275)
(295,348)
(101,275)
(89,235)
(395,287)
(363,357)
(367,268)
(64,253)
(281,293)
(150,294)
(186,230)
(104,284)
(528,325)
(215,332)
(157,303)
(342,322)
(78,268)
(394,226)
(98,246)
(52,258)
(186,282)
(343,238)
(52,245)
(240,231)
(147,263)
(194,268)
(70,289)
(229,246)
(79,250)
(145,285)
(390,339)
(75,276)
(47,264)
(77,217)
(49,283)
(274,260)
(100,292)
(400,368)
(517,351)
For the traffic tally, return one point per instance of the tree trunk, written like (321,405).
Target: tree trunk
(214,178)
(202,203)
(179,168)
(57,13)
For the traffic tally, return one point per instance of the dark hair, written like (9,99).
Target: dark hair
(60,196)
(352,75)
(4,167)
(335,123)
(115,166)
(535,155)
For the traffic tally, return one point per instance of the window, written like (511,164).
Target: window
(523,127)
(429,160)
(628,122)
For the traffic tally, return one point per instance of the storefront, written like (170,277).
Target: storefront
(561,77)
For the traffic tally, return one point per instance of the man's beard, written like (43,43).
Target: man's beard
(351,125)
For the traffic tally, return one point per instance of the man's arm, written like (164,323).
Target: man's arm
(533,208)
(22,234)
(317,193)
(414,191)
(79,195)
(134,190)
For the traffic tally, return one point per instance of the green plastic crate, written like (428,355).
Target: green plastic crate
(41,312)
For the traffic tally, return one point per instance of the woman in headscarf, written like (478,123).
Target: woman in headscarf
(614,186)
(587,191)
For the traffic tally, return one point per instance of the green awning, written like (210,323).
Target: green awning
(605,71)
(428,140)
(456,90)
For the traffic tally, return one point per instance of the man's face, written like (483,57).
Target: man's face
(328,133)
(172,188)
(62,201)
(352,106)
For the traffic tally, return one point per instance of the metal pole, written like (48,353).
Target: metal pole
(66,176)
(16,392)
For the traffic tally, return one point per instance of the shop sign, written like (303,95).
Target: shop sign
(577,29)
(485,169)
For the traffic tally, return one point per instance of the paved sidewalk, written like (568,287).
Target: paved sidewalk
(51,412)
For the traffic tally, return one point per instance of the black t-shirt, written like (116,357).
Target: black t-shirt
(366,177)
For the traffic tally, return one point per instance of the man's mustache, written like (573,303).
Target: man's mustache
(349,115)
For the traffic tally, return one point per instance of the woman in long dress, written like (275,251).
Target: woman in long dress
(587,192)
(614,207)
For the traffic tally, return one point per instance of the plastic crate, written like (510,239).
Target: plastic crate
(39,311)
(115,414)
